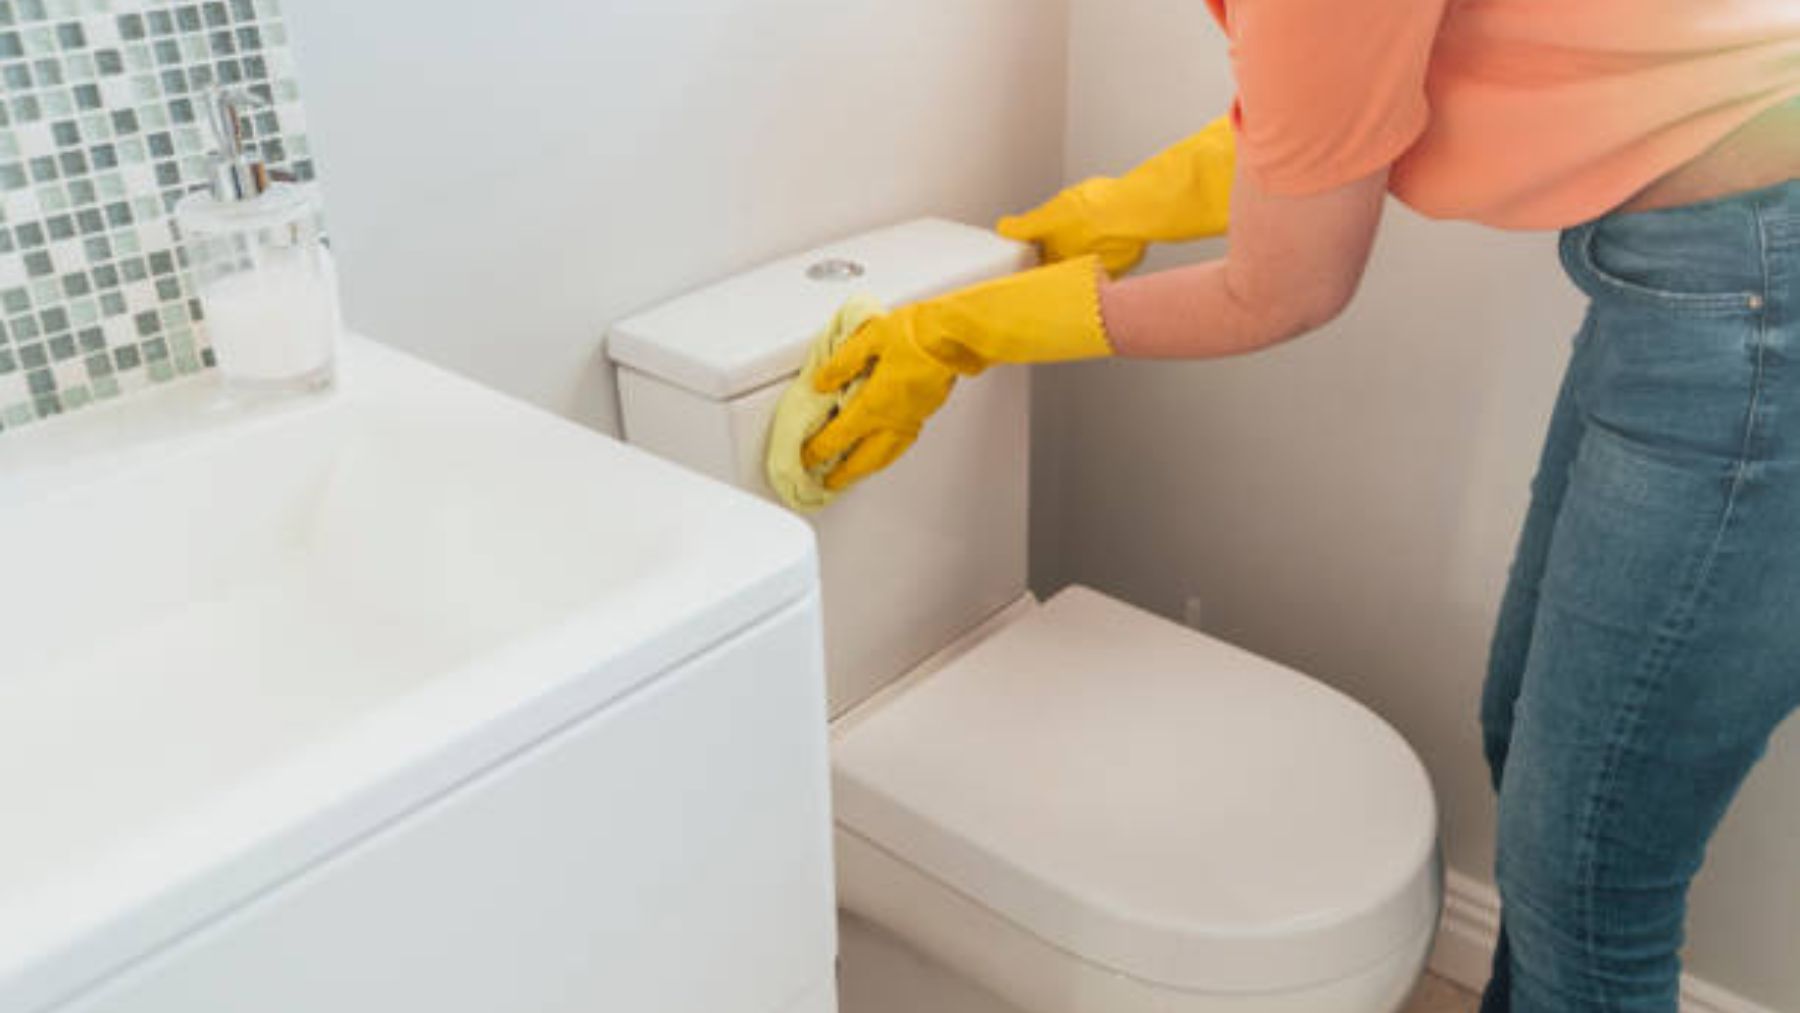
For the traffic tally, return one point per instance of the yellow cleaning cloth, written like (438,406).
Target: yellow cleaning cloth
(803,411)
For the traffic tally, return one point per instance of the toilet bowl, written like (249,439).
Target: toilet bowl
(1071,806)
(1094,809)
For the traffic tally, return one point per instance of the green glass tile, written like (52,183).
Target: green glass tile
(153,117)
(53,198)
(138,58)
(145,89)
(132,150)
(80,67)
(57,103)
(181,340)
(39,40)
(75,397)
(84,312)
(186,363)
(106,387)
(19,414)
(49,72)
(45,291)
(174,316)
(160,371)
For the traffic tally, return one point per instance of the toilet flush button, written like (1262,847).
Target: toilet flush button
(835,269)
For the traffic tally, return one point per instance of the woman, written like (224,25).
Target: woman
(1647,643)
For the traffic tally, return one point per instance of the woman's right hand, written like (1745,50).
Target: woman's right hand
(1180,194)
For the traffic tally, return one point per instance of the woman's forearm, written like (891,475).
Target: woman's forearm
(1294,263)
(1194,313)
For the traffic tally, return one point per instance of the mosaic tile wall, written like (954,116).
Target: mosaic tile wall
(102,130)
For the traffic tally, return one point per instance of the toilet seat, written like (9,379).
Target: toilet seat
(1152,802)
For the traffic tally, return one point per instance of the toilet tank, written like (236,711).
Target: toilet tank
(911,558)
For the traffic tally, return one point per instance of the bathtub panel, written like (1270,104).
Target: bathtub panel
(670,852)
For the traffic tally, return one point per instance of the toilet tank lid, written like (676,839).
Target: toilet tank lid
(753,329)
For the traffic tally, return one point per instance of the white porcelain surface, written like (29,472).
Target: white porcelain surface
(238,637)
(911,558)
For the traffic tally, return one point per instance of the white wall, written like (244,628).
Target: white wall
(1348,504)
(504,180)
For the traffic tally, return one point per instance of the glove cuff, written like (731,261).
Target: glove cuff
(1050,314)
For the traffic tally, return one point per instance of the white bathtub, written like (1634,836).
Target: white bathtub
(406,698)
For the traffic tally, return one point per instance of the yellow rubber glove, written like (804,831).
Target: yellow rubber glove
(1182,193)
(909,359)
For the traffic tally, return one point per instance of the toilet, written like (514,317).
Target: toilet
(1066,806)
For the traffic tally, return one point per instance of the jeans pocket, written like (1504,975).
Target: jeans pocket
(1650,289)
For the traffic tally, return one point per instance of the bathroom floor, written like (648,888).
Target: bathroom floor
(1435,995)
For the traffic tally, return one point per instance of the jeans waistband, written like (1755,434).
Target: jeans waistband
(1712,257)
(1773,206)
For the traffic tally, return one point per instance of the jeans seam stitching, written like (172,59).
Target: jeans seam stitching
(1747,451)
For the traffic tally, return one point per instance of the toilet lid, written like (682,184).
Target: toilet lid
(1152,800)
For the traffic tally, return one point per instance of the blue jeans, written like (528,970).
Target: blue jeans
(1649,640)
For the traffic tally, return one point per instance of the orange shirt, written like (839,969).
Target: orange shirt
(1522,114)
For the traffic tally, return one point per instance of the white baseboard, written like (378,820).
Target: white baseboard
(1468,931)
(1471,924)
